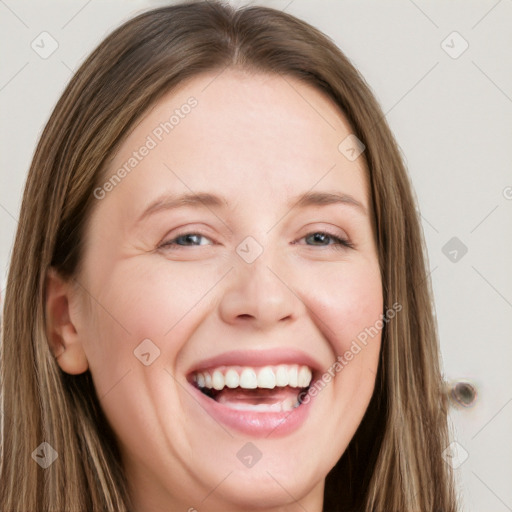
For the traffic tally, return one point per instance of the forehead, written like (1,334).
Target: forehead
(244,135)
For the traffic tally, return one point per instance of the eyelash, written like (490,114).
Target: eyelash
(340,243)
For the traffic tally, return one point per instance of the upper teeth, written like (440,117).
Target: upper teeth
(250,378)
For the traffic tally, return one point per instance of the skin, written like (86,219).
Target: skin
(258,140)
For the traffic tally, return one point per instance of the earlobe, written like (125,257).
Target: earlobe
(63,338)
(72,359)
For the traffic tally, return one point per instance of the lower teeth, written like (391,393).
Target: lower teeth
(284,406)
(258,400)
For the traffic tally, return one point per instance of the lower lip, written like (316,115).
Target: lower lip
(256,424)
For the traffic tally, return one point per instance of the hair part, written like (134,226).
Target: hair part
(394,460)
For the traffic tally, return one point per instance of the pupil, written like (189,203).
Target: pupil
(189,238)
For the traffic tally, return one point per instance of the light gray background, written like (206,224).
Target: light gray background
(452,119)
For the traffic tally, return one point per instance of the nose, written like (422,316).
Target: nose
(258,295)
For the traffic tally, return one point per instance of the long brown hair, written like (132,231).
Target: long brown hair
(394,461)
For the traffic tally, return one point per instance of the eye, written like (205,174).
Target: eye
(185,240)
(319,239)
(322,238)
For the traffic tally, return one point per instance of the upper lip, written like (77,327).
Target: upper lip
(256,358)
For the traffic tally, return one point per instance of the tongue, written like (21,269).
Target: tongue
(256,396)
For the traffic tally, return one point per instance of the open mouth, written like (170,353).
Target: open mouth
(265,389)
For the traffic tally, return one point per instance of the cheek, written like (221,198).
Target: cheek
(144,312)
(348,301)
(349,308)
(138,301)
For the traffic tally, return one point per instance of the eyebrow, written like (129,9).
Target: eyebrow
(326,198)
(207,200)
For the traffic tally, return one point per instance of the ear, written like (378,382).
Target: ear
(63,337)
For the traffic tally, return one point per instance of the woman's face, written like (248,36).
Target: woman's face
(204,269)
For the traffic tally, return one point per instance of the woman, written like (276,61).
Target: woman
(177,335)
